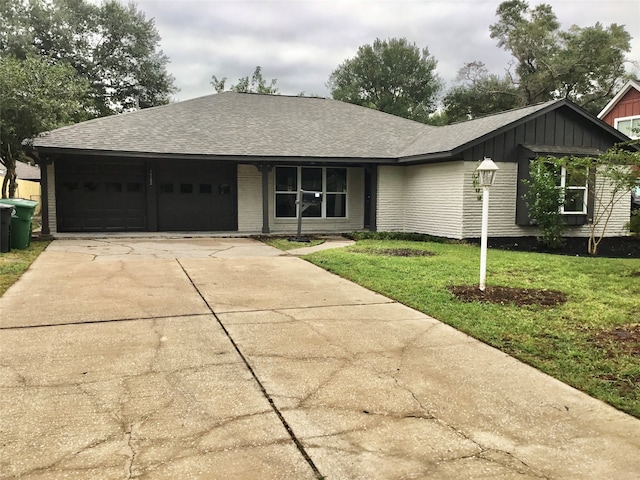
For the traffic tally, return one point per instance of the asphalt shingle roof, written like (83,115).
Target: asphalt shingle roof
(450,137)
(239,124)
(233,124)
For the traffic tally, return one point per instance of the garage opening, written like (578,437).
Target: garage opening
(94,195)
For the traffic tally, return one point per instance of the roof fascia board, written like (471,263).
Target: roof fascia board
(49,151)
(623,91)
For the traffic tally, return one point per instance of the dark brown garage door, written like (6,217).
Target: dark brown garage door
(100,195)
(196,196)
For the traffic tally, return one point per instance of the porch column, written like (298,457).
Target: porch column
(44,198)
(265,168)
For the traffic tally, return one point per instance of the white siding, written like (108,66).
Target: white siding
(353,221)
(433,199)
(502,204)
(390,199)
(249,199)
(421,199)
(502,208)
(51,198)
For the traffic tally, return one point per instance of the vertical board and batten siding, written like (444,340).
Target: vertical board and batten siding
(353,221)
(627,106)
(562,127)
(51,198)
(433,199)
(390,214)
(249,199)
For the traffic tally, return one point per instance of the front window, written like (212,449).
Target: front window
(332,182)
(630,126)
(574,184)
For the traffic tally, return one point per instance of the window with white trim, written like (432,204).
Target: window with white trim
(331,181)
(630,126)
(575,186)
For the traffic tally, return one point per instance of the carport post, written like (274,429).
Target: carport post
(265,169)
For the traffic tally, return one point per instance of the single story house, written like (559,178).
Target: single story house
(233,163)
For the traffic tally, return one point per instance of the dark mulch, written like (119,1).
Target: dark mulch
(624,337)
(400,252)
(613,247)
(506,295)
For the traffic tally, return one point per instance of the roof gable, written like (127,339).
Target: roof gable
(631,84)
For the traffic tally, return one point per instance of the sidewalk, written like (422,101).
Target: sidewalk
(226,358)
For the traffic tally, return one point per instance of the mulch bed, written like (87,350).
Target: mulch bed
(508,295)
(401,252)
(624,337)
(613,247)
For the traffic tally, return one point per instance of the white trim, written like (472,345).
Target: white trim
(623,91)
(624,119)
(565,188)
(325,192)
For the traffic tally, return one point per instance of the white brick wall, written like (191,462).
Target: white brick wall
(390,215)
(502,208)
(433,199)
(249,199)
(421,199)
(51,198)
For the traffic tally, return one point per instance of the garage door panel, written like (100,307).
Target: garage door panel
(100,195)
(197,196)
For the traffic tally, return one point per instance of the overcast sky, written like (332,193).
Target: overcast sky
(300,42)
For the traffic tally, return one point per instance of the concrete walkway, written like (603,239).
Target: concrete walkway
(225,358)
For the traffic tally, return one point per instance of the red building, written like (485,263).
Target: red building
(623,111)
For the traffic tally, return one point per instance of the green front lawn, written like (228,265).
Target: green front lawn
(14,263)
(591,342)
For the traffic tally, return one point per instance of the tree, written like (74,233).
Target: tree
(113,46)
(544,200)
(257,84)
(585,65)
(35,96)
(393,76)
(479,93)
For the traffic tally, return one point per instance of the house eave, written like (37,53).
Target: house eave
(49,152)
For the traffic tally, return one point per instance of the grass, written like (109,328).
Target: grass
(14,263)
(283,243)
(573,342)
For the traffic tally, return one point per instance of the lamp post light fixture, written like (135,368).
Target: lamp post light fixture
(486,175)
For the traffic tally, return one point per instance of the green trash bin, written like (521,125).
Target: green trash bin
(21,221)
(6,211)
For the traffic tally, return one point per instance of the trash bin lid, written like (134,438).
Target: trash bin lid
(24,208)
(19,202)
(5,206)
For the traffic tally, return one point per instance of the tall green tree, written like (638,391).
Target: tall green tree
(35,96)
(393,76)
(257,84)
(585,65)
(479,93)
(112,45)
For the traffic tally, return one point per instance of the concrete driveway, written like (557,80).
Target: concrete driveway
(225,358)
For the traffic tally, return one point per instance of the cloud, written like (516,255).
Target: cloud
(300,42)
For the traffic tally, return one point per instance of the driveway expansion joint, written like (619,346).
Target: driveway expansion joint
(284,422)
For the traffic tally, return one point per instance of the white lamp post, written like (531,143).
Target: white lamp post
(486,175)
